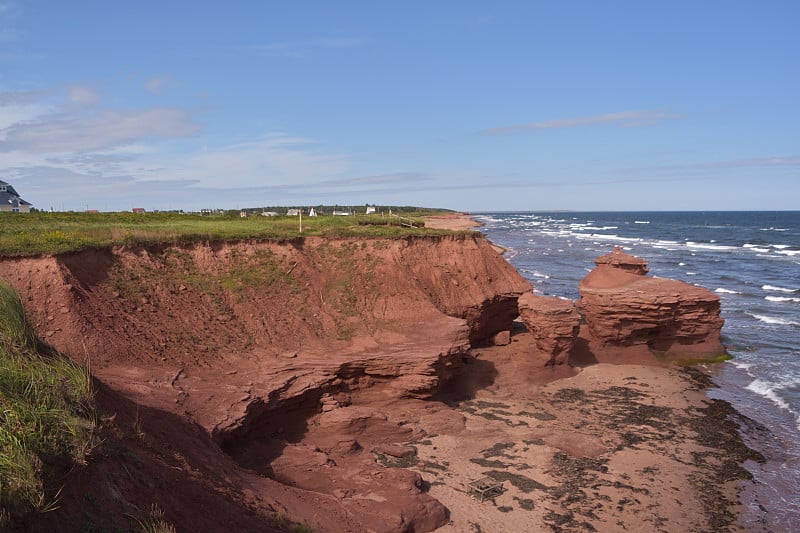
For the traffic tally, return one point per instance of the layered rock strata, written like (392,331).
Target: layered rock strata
(623,307)
(554,323)
(278,349)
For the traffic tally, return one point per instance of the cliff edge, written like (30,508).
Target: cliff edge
(280,364)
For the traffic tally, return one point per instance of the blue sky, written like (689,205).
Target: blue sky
(466,105)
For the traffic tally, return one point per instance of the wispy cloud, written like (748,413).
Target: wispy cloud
(271,159)
(93,131)
(792,161)
(159,85)
(301,48)
(715,168)
(82,96)
(378,180)
(20,106)
(11,98)
(9,34)
(625,119)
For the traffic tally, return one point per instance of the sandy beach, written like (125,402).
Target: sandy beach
(612,448)
(605,447)
(457,222)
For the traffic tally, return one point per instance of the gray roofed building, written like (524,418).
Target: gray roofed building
(10,200)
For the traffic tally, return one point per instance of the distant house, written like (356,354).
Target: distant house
(10,200)
(292,212)
(370,210)
(138,210)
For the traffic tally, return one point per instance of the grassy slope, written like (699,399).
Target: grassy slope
(35,233)
(46,414)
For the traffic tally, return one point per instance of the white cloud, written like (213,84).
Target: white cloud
(97,131)
(19,106)
(158,85)
(274,159)
(623,119)
(61,147)
(82,96)
(11,98)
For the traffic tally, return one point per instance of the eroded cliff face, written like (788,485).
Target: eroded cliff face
(554,323)
(261,343)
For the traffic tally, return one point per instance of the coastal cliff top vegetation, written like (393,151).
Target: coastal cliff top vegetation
(24,234)
(46,415)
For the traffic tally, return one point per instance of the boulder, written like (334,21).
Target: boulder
(502,339)
(554,323)
(623,307)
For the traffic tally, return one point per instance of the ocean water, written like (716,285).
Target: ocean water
(751,260)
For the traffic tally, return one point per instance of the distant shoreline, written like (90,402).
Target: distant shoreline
(459,222)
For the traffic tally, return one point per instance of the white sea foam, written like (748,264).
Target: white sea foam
(781,299)
(756,248)
(723,290)
(778,289)
(767,390)
(741,365)
(790,253)
(607,237)
(716,247)
(691,273)
(773,320)
(641,221)
(681,264)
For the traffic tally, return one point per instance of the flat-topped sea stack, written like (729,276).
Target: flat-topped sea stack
(622,307)
(554,323)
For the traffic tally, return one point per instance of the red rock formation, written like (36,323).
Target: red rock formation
(619,259)
(265,344)
(622,307)
(477,284)
(554,323)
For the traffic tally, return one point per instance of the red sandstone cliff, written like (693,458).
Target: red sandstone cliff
(281,355)
(554,323)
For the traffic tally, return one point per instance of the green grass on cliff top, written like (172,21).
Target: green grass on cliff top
(24,234)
